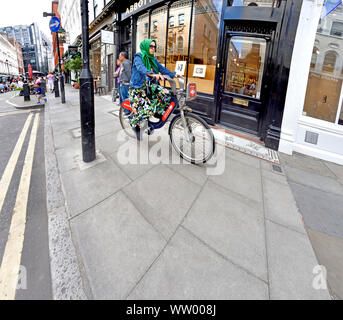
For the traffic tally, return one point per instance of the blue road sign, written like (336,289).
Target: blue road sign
(54,24)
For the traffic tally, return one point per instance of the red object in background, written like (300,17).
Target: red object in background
(30,71)
(192,90)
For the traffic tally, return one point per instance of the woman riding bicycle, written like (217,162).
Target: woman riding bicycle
(147,97)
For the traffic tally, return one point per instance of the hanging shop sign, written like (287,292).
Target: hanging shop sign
(137,7)
(107,37)
(62,38)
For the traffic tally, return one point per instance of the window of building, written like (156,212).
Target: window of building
(178,36)
(324,94)
(203,51)
(181,19)
(337,29)
(171,21)
(154,25)
(158,32)
(142,29)
(146,27)
(329,62)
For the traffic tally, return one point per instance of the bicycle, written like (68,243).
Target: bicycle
(190,135)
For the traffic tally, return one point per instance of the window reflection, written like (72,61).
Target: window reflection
(245,66)
(178,35)
(142,29)
(204,44)
(158,32)
(254,3)
(324,89)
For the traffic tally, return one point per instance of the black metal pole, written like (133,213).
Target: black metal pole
(56,89)
(86,93)
(63,98)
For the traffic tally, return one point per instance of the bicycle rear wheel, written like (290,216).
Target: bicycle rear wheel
(193,139)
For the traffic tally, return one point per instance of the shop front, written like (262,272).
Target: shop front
(313,120)
(238,53)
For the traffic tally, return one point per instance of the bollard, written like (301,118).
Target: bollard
(57,91)
(26,91)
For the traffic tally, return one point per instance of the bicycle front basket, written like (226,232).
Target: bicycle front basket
(191,91)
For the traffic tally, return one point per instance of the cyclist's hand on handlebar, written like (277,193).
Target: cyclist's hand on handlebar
(159,77)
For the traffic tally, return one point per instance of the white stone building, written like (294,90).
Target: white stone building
(8,58)
(70,11)
(313,116)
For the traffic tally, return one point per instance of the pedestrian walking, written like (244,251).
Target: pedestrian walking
(51,79)
(124,76)
(116,75)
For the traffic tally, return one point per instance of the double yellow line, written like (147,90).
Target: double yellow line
(10,265)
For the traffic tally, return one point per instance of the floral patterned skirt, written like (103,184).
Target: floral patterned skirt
(145,106)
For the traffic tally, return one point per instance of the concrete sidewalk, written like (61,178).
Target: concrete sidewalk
(318,189)
(164,231)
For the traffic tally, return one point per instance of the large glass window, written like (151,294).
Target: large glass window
(245,66)
(204,44)
(142,29)
(324,93)
(158,32)
(178,36)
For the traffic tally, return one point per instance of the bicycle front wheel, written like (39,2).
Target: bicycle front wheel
(192,138)
(125,122)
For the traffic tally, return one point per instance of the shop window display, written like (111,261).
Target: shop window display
(324,93)
(245,66)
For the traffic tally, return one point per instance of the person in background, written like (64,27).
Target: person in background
(38,93)
(51,79)
(116,75)
(124,76)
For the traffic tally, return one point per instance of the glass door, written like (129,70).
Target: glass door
(243,82)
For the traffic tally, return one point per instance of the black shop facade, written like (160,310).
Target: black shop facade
(238,53)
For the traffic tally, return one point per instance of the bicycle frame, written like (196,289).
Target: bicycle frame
(174,107)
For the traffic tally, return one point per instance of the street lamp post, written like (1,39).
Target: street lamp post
(86,92)
(63,98)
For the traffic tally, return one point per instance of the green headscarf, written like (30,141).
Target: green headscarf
(148,59)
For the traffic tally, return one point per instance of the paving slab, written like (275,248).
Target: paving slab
(163,197)
(322,211)
(86,188)
(306,163)
(313,180)
(234,228)
(240,178)
(189,270)
(329,251)
(280,205)
(244,158)
(291,262)
(117,246)
(269,171)
(195,173)
(337,170)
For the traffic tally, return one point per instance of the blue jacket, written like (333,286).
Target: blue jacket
(139,71)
